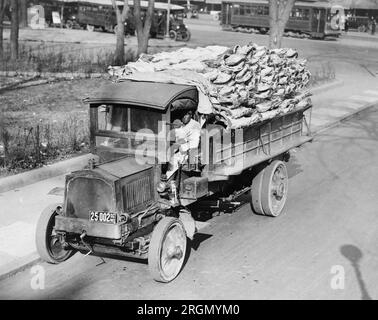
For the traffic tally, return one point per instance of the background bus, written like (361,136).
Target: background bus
(100,14)
(311,18)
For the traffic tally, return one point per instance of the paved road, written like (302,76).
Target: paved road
(329,226)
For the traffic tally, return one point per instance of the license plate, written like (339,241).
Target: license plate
(103,217)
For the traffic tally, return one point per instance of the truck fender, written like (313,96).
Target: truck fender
(188,222)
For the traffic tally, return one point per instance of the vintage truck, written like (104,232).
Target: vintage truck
(122,203)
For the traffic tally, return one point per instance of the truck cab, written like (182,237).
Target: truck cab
(113,205)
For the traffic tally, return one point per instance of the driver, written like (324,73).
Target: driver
(188,133)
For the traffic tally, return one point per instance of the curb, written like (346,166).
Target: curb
(348,116)
(46,172)
(19,265)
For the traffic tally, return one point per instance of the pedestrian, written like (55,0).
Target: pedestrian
(346,25)
(373,24)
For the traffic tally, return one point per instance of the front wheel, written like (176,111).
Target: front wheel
(173,35)
(48,245)
(167,249)
(69,24)
(90,28)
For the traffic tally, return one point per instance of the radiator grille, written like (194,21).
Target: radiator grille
(137,193)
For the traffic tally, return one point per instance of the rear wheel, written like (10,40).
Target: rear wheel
(361,28)
(167,249)
(48,245)
(186,36)
(269,189)
(256,188)
(274,188)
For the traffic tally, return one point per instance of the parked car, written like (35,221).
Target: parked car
(359,23)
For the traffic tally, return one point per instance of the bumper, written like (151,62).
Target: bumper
(94,229)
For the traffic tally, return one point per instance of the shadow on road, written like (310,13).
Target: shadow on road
(293,167)
(354,255)
(198,239)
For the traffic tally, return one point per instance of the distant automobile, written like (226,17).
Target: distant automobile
(359,22)
(191,11)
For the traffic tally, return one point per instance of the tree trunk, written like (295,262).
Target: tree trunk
(142,42)
(120,44)
(2,12)
(143,25)
(14,30)
(23,14)
(120,32)
(279,13)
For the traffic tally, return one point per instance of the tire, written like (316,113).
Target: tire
(160,254)
(256,203)
(173,35)
(274,188)
(90,28)
(49,252)
(69,24)
(268,195)
(187,36)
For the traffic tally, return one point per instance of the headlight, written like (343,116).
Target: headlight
(161,187)
(177,27)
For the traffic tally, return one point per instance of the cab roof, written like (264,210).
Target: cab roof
(154,95)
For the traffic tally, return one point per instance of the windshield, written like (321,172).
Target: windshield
(114,122)
(121,118)
(177,15)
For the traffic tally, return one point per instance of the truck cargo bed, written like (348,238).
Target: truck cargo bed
(252,145)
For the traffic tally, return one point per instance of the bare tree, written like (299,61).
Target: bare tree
(23,13)
(3,5)
(279,13)
(120,31)
(14,29)
(143,24)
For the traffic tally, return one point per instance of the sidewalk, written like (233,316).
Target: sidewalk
(356,93)
(20,208)
(56,35)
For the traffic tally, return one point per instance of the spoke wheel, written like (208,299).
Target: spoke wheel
(274,188)
(173,35)
(186,36)
(269,189)
(47,242)
(167,249)
(69,24)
